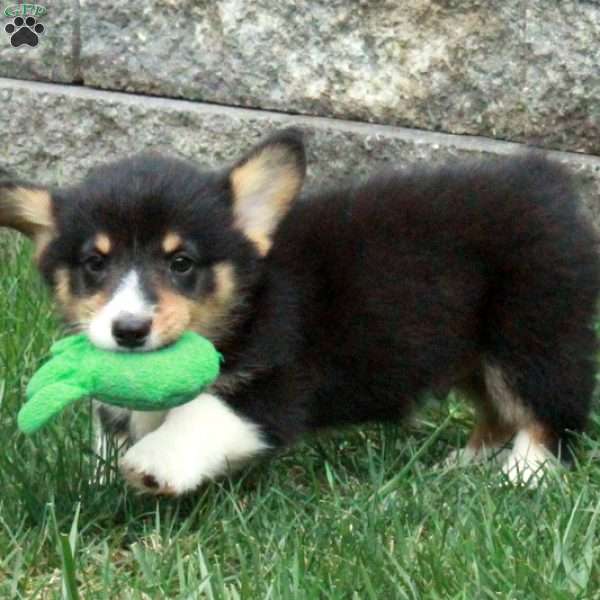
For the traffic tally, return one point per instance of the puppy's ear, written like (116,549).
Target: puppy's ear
(27,209)
(265,183)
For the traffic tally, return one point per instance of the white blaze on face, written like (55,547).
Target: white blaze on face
(128,300)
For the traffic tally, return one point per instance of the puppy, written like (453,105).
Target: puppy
(344,306)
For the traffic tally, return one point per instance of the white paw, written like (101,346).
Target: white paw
(157,464)
(527,471)
(528,463)
(198,441)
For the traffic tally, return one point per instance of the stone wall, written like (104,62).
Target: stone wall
(371,81)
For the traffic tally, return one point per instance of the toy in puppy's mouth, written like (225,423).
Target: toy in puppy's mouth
(155,380)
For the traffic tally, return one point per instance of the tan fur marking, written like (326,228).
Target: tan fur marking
(85,309)
(29,211)
(263,188)
(490,430)
(509,406)
(41,241)
(171,243)
(490,434)
(262,242)
(210,316)
(77,311)
(541,434)
(26,209)
(62,292)
(103,244)
(172,317)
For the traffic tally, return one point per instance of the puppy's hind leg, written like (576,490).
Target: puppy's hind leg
(538,341)
(531,453)
(546,398)
(490,434)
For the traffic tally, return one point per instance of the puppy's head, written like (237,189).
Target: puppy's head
(147,248)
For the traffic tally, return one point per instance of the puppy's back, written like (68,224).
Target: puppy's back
(415,278)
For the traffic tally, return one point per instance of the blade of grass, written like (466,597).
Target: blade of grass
(66,548)
(392,484)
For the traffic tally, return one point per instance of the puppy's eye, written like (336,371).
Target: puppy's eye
(181,264)
(95,263)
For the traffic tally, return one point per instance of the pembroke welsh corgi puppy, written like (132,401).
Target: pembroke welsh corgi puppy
(341,306)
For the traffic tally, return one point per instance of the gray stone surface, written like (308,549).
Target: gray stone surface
(563,74)
(55,58)
(516,69)
(73,128)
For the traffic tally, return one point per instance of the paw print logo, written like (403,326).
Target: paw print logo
(24,31)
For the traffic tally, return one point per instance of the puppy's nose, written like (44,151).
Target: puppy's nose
(131,331)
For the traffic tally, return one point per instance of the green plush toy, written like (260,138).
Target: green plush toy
(155,380)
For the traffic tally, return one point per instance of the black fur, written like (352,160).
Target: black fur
(374,294)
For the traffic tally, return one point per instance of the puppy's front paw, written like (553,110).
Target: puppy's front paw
(157,466)
(198,441)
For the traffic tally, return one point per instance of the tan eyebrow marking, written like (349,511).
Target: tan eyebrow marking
(62,290)
(210,316)
(103,243)
(171,242)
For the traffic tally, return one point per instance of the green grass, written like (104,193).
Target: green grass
(361,514)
